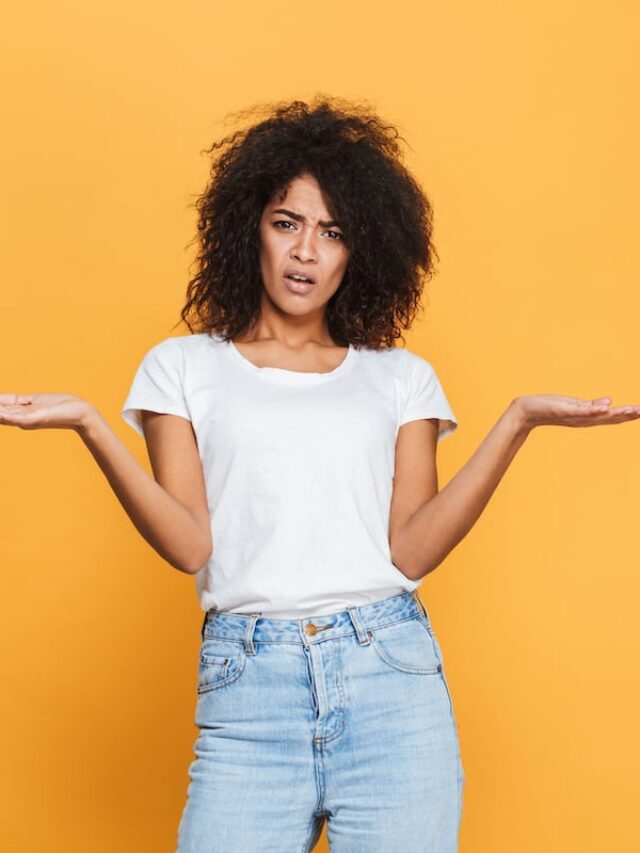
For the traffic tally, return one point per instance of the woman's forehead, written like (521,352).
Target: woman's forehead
(303,193)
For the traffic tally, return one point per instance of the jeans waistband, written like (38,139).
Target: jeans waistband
(253,627)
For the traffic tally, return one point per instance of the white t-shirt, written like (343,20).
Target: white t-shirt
(298,468)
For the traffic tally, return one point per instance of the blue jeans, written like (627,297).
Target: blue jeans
(345,717)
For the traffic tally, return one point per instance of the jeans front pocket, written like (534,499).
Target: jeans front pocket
(406,647)
(221,661)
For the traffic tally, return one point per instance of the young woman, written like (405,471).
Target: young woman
(293,449)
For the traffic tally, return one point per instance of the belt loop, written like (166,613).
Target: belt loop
(361,632)
(249,645)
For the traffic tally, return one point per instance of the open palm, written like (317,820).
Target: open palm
(539,409)
(40,411)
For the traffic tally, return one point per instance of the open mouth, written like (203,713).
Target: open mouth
(299,284)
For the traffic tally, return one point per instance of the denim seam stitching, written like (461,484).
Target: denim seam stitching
(398,665)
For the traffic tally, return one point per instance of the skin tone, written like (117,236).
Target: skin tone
(292,327)
(291,333)
(297,229)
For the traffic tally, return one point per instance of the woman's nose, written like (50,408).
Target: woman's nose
(305,245)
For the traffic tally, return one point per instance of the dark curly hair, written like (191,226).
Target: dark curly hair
(385,217)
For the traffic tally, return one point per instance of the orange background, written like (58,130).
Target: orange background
(523,128)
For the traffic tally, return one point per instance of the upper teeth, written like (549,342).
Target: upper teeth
(298,277)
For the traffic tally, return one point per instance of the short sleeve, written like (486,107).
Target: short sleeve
(157,384)
(425,397)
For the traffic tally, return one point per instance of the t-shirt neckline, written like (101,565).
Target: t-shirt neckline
(284,375)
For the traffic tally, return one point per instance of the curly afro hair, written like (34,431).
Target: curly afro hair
(385,217)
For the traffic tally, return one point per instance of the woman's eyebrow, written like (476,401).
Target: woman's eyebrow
(301,218)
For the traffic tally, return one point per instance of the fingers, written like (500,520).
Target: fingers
(618,414)
(629,410)
(15,411)
(600,411)
(15,399)
(589,406)
(603,404)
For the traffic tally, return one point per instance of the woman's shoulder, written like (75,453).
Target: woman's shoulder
(398,359)
(194,339)
(190,343)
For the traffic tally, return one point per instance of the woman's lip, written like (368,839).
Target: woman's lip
(298,286)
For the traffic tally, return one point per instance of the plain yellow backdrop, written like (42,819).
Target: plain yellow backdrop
(522,126)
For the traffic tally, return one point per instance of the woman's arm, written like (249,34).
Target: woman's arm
(422,542)
(169,511)
(437,526)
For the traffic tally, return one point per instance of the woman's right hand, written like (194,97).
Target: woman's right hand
(43,411)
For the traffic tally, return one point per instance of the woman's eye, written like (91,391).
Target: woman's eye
(336,234)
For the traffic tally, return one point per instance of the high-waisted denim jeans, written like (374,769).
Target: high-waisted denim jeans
(345,717)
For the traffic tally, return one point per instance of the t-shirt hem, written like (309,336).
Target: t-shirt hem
(445,427)
(130,414)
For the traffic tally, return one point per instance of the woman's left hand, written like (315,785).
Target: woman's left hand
(538,409)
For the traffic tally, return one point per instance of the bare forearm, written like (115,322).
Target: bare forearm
(164,523)
(438,525)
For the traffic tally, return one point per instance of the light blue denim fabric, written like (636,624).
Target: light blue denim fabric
(350,721)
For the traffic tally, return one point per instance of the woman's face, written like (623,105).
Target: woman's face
(298,235)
